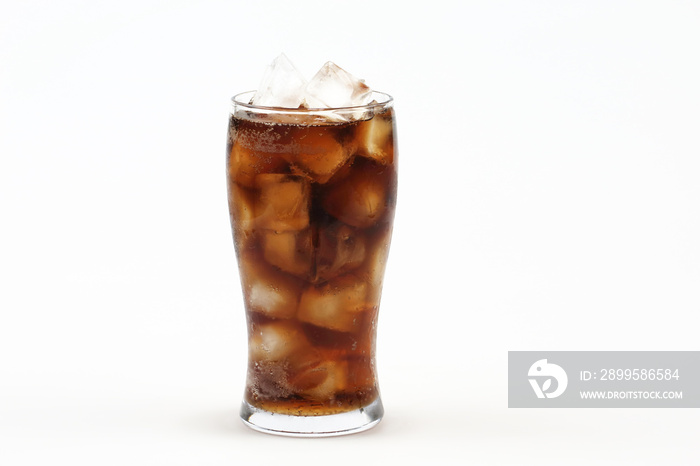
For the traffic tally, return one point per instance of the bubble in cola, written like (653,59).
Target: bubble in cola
(312,197)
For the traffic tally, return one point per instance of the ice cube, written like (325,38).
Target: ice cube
(290,251)
(276,341)
(375,139)
(242,208)
(372,270)
(245,163)
(340,249)
(282,360)
(267,290)
(283,202)
(337,305)
(319,154)
(360,198)
(324,381)
(282,85)
(335,87)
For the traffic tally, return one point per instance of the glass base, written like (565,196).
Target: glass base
(313,426)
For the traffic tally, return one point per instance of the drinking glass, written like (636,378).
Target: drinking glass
(311,196)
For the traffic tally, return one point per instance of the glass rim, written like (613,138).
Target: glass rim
(386,99)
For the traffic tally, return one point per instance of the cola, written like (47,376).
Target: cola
(312,198)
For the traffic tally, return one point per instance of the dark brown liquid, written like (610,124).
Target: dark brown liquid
(311,208)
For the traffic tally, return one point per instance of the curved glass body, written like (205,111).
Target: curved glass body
(311,196)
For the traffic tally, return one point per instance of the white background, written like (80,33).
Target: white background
(549,200)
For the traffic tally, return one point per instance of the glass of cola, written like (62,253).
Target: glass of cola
(311,194)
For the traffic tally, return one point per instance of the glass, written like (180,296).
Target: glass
(311,195)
